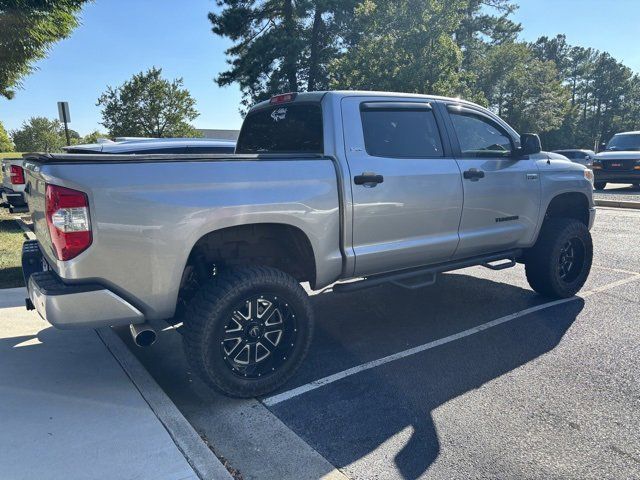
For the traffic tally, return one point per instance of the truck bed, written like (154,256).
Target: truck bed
(72,158)
(146,216)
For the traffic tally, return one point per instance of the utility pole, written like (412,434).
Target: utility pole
(65,118)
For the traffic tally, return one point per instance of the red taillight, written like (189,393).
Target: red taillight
(68,221)
(284,98)
(17,175)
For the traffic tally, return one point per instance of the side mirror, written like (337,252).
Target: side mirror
(602,147)
(530,144)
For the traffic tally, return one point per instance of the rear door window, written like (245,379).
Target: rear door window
(285,128)
(400,132)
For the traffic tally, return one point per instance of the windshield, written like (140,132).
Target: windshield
(283,129)
(624,142)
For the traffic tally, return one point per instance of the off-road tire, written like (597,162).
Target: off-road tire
(599,185)
(206,324)
(543,260)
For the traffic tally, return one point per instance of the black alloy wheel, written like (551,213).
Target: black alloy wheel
(260,335)
(247,330)
(571,259)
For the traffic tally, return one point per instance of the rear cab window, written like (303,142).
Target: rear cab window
(283,128)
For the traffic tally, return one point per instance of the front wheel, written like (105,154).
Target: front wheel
(559,263)
(248,330)
(600,185)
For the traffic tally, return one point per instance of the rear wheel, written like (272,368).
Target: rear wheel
(559,263)
(248,330)
(600,185)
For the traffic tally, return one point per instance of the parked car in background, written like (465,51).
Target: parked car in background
(13,182)
(150,146)
(380,188)
(583,157)
(619,161)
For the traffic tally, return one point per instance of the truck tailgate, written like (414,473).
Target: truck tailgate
(35,197)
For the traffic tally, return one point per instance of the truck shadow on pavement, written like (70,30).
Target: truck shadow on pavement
(383,416)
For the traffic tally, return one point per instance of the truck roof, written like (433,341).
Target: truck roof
(318,96)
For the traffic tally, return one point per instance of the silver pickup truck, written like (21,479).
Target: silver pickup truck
(324,187)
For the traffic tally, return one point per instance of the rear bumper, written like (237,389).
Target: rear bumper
(72,306)
(624,176)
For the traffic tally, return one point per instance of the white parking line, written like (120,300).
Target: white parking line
(617,270)
(295,392)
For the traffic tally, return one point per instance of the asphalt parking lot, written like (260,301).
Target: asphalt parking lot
(475,377)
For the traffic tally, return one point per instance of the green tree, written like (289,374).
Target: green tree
(93,137)
(280,45)
(74,137)
(609,83)
(485,23)
(555,50)
(28,28)
(5,142)
(403,45)
(522,89)
(604,93)
(39,134)
(148,105)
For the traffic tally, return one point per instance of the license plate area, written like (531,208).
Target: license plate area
(620,164)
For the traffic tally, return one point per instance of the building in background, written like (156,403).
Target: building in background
(219,134)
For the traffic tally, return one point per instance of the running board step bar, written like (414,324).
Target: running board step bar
(421,277)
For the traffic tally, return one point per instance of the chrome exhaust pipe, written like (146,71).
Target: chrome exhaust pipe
(143,334)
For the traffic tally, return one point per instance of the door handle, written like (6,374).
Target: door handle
(368,179)
(473,174)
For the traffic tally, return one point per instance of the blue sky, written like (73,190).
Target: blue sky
(121,37)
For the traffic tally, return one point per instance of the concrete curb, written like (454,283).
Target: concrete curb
(200,457)
(618,204)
